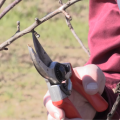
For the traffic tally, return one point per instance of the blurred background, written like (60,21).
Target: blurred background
(21,87)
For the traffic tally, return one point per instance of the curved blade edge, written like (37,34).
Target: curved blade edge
(41,52)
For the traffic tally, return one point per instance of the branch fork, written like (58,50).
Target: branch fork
(18,26)
(66,15)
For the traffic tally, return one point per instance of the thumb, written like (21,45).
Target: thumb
(55,112)
(93,79)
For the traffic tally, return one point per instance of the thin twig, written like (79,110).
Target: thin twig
(68,19)
(18,26)
(75,35)
(9,7)
(2,2)
(37,23)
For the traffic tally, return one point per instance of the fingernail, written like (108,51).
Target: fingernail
(92,86)
(56,115)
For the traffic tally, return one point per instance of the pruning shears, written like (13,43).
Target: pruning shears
(60,79)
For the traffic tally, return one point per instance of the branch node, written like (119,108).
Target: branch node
(67,15)
(37,20)
(117,89)
(70,26)
(18,26)
(36,34)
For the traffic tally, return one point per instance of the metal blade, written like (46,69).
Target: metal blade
(36,61)
(40,51)
(44,70)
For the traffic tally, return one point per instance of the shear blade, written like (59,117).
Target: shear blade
(36,61)
(44,71)
(41,52)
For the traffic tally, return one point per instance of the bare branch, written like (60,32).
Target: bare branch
(38,22)
(75,35)
(8,8)
(68,19)
(2,2)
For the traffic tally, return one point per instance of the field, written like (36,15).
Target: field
(21,87)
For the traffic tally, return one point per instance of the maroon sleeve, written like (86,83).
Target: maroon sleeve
(104,45)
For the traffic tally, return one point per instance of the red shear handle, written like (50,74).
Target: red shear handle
(97,101)
(68,107)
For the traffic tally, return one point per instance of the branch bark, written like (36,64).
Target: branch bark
(37,23)
(2,2)
(9,7)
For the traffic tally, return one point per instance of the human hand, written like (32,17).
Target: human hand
(93,84)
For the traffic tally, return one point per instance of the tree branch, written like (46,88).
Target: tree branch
(68,19)
(9,7)
(2,2)
(37,23)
